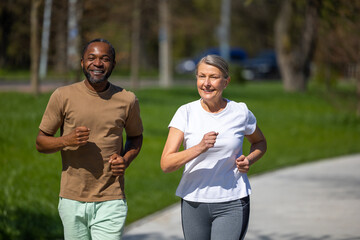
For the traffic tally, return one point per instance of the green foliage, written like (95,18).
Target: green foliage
(11,75)
(299,128)
(237,74)
(326,76)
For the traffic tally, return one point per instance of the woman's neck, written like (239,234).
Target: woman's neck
(213,107)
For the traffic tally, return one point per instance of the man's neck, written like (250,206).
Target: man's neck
(97,87)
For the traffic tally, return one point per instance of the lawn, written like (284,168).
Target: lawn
(299,127)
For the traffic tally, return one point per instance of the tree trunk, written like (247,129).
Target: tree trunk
(164,45)
(6,22)
(224,29)
(73,43)
(295,45)
(34,42)
(60,15)
(45,39)
(358,88)
(135,44)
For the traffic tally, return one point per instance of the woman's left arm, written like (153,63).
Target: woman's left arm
(257,150)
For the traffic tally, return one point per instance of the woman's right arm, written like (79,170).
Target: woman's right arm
(172,159)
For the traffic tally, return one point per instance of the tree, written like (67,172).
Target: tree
(6,22)
(135,44)
(34,42)
(60,36)
(339,50)
(15,33)
(73,40)
(164,44)
(45,39)
(224,29)
(295,37)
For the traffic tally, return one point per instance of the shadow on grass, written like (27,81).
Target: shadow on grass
(28,223)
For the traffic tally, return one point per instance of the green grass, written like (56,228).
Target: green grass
(299,127)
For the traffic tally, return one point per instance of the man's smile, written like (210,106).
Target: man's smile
(97,72)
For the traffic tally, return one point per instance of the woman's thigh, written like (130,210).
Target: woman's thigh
(196,221)
(230,219)
(203,221)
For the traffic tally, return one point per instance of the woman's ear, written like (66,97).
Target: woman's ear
(227,81)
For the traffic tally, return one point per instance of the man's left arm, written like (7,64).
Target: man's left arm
(119,163)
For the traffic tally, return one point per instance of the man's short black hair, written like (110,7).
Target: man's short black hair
(112,49)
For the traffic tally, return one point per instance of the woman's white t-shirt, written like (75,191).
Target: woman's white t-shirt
(213,176)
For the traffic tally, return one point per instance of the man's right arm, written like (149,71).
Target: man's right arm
(46,143)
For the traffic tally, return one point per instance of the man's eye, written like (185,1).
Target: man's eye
(106,59)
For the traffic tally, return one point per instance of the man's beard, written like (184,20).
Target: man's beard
(95,81)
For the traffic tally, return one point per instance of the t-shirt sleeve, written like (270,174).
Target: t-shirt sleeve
(53,115)
(250,123)
(133,126)
(179,119)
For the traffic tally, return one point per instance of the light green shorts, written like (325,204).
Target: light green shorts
(93,220)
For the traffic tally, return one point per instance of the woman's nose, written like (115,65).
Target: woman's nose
(207,81)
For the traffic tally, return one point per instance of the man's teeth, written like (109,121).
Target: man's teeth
(96,72)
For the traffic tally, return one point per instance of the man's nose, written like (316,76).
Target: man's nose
(98,62)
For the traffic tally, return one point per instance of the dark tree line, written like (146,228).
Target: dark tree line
(194,25)
(321,33)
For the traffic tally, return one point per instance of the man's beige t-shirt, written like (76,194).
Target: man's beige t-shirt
(86,174)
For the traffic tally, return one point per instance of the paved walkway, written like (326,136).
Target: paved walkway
(315,201)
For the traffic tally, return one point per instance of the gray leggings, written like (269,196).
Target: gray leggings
(215,221)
